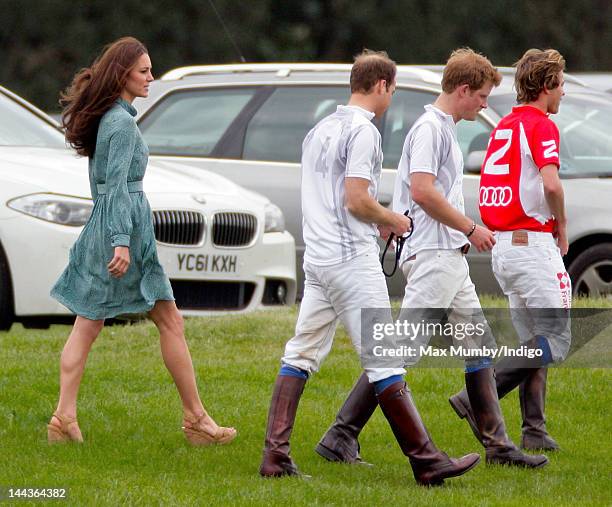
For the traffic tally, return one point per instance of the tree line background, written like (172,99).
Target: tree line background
(44,42)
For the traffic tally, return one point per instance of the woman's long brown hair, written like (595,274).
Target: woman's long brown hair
(94,90)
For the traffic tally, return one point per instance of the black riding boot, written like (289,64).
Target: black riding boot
(340,442)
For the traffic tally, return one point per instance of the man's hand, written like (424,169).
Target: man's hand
(400,224)
(560,232)
(384,231)
(120,263)
(482,238)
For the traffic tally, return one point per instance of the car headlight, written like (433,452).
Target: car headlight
(275,221)
(59,209)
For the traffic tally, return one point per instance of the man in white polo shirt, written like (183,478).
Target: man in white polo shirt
(429,183)
(341,166)
(521,198)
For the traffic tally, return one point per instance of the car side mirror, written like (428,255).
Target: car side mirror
(474,161)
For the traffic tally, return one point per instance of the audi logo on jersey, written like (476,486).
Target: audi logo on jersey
(495,196)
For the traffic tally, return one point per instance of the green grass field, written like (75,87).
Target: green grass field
(135,453)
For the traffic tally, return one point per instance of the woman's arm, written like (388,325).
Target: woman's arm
(118,203)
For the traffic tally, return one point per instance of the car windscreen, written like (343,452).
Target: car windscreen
(20,127)
(585,126)
(191,122)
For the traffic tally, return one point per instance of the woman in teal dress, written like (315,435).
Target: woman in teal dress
(113,267)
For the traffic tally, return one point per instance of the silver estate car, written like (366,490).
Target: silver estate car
(247,122)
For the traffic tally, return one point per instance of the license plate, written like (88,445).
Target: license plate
(206,263)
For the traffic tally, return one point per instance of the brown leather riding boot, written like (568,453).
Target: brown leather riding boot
(281,416)
(488,417)
(429,465)
(340,441)
(532,395)
(506,379)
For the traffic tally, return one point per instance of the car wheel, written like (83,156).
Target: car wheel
(6,294)
(591,272)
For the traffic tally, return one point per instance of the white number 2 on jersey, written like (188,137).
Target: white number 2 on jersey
(491,167)
(551,149)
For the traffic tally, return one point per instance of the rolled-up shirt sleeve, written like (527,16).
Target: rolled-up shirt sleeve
(118,203)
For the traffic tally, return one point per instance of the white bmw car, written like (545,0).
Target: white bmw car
(223,247)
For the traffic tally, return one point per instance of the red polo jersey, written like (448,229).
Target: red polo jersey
(511,194)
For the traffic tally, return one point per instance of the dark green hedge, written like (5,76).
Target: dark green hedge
(43,42)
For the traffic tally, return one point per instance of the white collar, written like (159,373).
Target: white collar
(439,112)
(368,114)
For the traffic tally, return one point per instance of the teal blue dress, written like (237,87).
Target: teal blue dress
(121,216)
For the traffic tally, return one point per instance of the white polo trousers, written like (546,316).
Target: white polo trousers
(534,276)
(441,279)
(333,293)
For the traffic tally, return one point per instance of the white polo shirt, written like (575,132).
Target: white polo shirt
(431,146)
(344,144)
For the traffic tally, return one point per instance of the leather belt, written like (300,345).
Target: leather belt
(464,250)
(133,187)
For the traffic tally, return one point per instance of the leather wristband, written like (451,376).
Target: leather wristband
(468,234)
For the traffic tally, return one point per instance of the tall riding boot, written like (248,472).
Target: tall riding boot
(509,373)
(283,407)
(532,395)
(500,449)
(429,465)
(340,441)
(506,380)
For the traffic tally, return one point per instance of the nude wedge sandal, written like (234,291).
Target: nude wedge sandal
(58,433)
(199,437)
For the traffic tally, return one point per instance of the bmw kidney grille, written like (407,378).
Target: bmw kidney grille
(233,229)
(177,227)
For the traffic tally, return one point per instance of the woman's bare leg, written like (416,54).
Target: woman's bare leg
(178,361)
(72,364)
